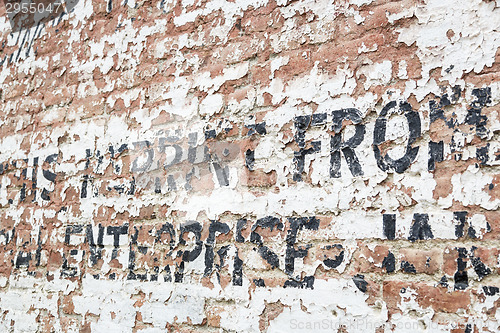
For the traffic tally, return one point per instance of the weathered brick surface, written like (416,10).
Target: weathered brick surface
(245,166)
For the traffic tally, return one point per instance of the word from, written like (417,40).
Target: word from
(339,146)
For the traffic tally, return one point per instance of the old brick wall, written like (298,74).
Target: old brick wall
(253,165)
